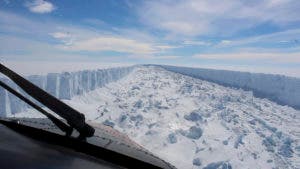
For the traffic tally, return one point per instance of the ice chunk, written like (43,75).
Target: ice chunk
(172,138)
(138,104)
(109,123)
(225,142)
(194,132)
(197,162)
(239,140)
(286,148)
(217,165)
(193,116)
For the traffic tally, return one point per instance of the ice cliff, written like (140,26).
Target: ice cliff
(61,85)
(281,89)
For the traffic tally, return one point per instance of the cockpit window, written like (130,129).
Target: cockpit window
(196,83)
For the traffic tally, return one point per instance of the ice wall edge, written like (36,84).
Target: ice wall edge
(61,85)
(281,89)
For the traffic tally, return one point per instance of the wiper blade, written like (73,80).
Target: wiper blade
(61,125)
(73,117)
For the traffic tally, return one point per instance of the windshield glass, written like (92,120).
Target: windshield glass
(202,83)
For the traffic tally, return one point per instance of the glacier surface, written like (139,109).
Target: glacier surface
(189,122)
(192,123)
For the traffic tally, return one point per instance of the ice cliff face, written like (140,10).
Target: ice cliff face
(61,85)
(281,89)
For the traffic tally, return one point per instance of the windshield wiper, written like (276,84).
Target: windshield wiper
(75,119)
(61,125)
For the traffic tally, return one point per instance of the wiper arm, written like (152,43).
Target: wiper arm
(61,125)
(73,117)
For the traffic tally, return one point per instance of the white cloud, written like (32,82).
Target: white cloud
(199,43)
(40,6)
(225,42)
(269,57)
(154,57)
(289,36)
(65,38)
(165,47)
(13,23)
(60,35)
(109,43)
(192,17)
(168,57)
(72,38)
(79,38)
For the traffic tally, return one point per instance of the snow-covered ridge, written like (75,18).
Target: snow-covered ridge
(61,85)
(281,89)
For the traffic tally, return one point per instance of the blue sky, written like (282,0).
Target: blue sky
(257,35)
